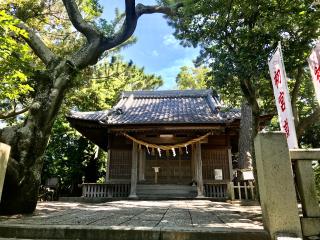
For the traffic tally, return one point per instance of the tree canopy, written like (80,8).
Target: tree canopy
(64,38)
(192,78)
(237,37)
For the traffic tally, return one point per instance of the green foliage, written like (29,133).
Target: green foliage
(237,37)
(193,78)
(106,81)
(14,61)
(19,66)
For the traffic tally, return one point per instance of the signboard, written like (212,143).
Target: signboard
(282,97)
(247,175)
(314,65)
(218,174)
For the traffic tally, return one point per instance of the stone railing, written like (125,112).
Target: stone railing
(106,190)
(302,159)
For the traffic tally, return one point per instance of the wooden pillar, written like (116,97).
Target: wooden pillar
(142,163)
(193,163)
(230,164)
(198,161)
(134,171)
(108,166)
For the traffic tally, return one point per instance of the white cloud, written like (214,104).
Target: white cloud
(155,53)
(170,40)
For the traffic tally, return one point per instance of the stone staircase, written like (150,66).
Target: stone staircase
(166,191)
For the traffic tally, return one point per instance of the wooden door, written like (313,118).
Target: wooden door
(173,169)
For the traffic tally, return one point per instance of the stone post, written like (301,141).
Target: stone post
(276,186)
(4,157)
(134,171)
(198,161)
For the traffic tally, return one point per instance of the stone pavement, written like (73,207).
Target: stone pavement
(185,214)
(173,215)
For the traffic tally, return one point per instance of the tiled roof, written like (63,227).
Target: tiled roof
(162,107)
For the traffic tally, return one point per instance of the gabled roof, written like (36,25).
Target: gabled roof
(162,107)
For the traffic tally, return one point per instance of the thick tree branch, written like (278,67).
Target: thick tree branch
(308,121)
(127,29)
(90,53)
(132,15)
(142,9)
(78,22)
(37,45)
(13,113)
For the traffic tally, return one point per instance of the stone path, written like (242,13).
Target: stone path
(190,215)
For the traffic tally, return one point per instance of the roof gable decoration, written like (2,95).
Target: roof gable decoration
(162,107)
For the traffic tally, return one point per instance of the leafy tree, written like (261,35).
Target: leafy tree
(14,66)
(58,72)
(236,39)
(193,78)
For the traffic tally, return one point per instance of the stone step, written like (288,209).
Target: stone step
(84,232)
(166,191)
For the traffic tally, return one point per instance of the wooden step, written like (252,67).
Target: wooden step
(166,191)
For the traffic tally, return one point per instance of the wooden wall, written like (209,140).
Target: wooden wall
(215,156)
(120,158)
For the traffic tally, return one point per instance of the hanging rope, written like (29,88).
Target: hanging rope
(167,147)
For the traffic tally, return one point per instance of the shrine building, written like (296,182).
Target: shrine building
(176,143)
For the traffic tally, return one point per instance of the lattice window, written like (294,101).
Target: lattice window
(120,163)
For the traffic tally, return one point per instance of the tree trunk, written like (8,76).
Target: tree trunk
(249,92)
(28,142)
(245,137)
(255,129)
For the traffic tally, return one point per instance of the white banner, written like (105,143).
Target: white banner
(314,65)
(282,97)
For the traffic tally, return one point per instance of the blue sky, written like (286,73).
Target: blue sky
(156,49)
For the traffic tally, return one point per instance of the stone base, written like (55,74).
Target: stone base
(310,226)
(133,196)
(200,196)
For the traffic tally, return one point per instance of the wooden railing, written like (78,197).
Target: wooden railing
(242,191)
(216,190)
(105,190)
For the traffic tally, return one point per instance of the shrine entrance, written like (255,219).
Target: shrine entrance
(172,168)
